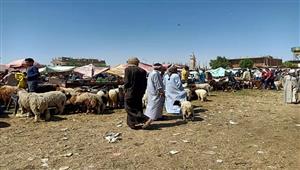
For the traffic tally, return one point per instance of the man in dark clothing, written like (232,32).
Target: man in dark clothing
(32,75)
(135,83)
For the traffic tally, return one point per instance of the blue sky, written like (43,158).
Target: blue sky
(154,31)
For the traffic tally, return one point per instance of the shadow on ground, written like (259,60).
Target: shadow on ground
(4,125)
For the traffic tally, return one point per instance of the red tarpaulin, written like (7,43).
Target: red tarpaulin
(3,67)
(21,64)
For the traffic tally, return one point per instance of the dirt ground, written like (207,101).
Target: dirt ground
(249,129)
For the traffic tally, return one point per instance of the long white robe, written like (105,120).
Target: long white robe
(155,104)
(290,89)
(174,91)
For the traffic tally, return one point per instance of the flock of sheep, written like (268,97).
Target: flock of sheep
(73,100)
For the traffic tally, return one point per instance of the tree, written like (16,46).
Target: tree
(219,62)
(288,64)
(246,63)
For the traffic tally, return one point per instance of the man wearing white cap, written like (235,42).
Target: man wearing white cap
(155,95)
(290,87)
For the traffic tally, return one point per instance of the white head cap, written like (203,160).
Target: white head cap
(292,71)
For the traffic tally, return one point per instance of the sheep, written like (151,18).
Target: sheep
(202,94)
(278,85)
(90,100)
(32,102)
(121,95)
(6,92)
(23,101)
(188,94)
(42,88)
(66,90)
(113,97)
(55,99)
(38,106)
(187,109)
(103,95)
(145,100)
(204,86)
(70,106)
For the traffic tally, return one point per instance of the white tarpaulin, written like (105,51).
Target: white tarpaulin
(56,69)
(219,72)
(90,70)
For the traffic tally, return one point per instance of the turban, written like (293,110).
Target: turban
(133,60)
(157,66)
(292,71)
(173,69)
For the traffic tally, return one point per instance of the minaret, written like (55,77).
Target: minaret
(296,52)
(193,62)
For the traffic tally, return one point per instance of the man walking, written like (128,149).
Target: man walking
(290,87)
(155,92)
(135,83)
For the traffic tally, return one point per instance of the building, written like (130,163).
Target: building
(69,61)
(264,61)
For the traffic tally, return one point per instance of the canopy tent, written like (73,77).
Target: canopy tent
(119,70)
(146,67)
(21,64)
(56,69)
(3,67)
(219,72)
(90,70)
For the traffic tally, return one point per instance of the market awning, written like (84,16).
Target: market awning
(119,70)
(90,70)
(56,69)
(20,63)
(219,72)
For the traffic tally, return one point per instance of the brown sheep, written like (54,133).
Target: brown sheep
(6,92)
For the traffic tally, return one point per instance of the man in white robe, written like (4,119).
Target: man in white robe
(174,91)
(290,87)
(155,95)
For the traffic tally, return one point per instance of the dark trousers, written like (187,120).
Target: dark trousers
(32,86)
(134,109)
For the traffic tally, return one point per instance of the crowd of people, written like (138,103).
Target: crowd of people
(164,87)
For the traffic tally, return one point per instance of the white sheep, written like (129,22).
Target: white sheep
(202,94)
(187,110)
(38,106)
(145,100)
(278,85)
(188,93)
(55,99)
(113,97)
(67,90)
(23,101)
(32,102)
(103,95)
(204,86)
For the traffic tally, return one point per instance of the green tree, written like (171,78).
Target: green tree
(219,62)
(288,64)
(246,63)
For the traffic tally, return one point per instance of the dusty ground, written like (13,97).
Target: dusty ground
(267,136)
